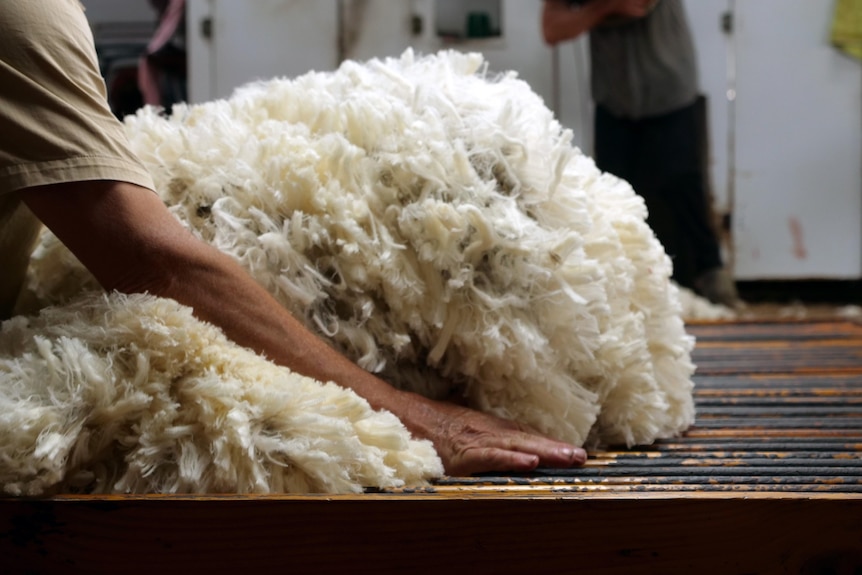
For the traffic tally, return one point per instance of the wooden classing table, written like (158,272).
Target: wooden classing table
(768,481)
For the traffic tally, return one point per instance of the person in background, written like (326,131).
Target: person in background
(65,162)
(162,70)
(650,123)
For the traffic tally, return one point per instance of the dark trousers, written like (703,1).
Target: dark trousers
(664,159)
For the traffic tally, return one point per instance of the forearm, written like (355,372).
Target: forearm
(132,244)
(561,22)
(222,293)
(466,440)
(128,240)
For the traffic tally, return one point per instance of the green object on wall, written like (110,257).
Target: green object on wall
(847,27)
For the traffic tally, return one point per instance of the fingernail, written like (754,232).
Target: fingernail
(574,454)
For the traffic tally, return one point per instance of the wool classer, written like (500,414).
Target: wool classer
(429,220)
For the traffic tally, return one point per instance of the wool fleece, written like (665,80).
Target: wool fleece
(134,394)
(433,222)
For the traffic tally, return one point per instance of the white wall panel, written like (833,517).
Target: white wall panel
(258,39)
(798,210)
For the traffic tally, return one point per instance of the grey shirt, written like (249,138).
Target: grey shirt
(645,67)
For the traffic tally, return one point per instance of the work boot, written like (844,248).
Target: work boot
(718,286)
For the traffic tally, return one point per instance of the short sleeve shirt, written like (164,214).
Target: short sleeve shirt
(55,122)
(645,67)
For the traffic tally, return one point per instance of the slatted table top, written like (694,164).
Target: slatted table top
(779,411)
(769,480)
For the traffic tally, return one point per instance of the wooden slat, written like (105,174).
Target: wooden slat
(477,532)
(776,330)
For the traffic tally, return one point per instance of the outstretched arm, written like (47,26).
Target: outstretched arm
(131,243)
(563,21)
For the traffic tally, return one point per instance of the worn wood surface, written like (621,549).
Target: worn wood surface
(779,410)
(768,481)
(412,534)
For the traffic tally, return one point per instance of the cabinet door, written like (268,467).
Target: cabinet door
(232,42)
(798,134)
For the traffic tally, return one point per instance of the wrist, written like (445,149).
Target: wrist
(416,412)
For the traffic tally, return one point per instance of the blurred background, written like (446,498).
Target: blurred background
(784,99)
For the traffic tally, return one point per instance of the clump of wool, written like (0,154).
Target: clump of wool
(435,224)
(134,394)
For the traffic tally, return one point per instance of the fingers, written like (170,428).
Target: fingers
(551,452)
(515,451)
(486,459)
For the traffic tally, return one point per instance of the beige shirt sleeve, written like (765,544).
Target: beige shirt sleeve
(55,121)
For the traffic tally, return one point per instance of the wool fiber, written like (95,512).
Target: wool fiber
(433,222)
(133,394)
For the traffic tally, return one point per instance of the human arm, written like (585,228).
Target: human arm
(563,21)
(131,243)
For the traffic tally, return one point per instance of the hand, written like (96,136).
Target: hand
(469,441)
(561,21)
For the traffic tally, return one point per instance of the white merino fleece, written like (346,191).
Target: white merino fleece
(132,394)
(437,226)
